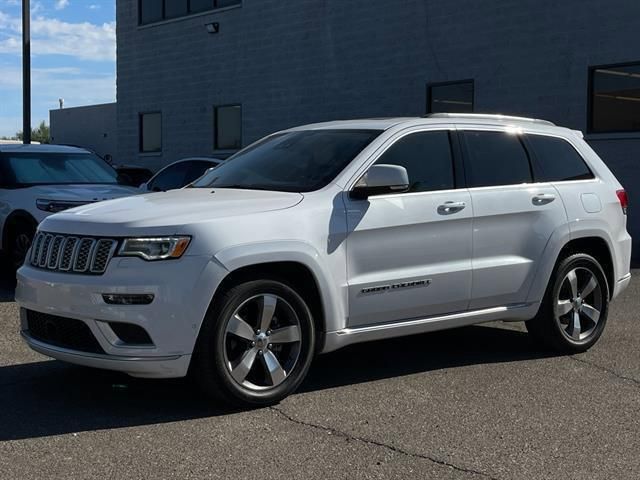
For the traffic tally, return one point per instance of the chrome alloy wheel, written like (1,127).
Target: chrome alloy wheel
(579,303)
(262,342)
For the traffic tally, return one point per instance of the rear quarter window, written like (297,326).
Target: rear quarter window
(557,160)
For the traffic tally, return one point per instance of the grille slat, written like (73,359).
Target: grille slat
(54,256)
(72,254)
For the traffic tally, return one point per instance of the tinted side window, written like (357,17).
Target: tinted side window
(496,158)
(197,169)
(558,160)
(171,178)
(427,158)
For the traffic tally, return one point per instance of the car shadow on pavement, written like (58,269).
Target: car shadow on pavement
(7,288)
(52,398)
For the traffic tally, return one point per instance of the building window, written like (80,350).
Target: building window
(453,97)
(614,93)
(150,132)
(151,11)
(228,127)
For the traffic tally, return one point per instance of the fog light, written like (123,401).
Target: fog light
(127,299)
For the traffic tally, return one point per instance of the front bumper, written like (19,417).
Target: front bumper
(144,367)
(182,291)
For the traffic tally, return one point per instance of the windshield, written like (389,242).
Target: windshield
(301,161)
(42,168)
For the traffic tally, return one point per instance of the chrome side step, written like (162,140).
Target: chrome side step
(347,336)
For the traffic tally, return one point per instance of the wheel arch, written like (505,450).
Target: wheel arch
(12,219)
(596,244)
(295,264)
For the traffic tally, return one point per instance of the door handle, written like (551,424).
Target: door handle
(449,208)
(543,199)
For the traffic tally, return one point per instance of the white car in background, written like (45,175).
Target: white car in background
(39,180)
(180,174)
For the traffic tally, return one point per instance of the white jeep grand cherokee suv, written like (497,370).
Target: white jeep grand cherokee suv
(326,235)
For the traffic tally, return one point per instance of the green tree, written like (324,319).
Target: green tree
(40,134)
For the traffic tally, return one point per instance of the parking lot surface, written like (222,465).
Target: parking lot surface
(472,403)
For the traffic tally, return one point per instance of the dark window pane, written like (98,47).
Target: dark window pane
(300,161)
(197,168)
(226,3)
(150,11)
(496,158)
(171,178)
(228,128)
(175,8)
(427,158)
(201,5)
(453,97)
(558,159)
(616,99)
(151,132)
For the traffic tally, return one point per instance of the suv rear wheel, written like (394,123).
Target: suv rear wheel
(255,345)
(574,310)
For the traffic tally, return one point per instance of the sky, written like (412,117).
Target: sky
(73,55)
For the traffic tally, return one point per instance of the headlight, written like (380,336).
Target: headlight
(154,248)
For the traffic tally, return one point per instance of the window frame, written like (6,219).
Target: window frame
(459,181)
(590,94)
(467,155)
(432,85)
(141,149)
(217,149)
(164,18)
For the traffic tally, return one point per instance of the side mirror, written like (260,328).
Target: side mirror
(381,179)
(144,187)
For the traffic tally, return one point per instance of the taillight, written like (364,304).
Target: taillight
(624,200)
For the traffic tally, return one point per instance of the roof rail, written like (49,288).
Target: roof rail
(489,116)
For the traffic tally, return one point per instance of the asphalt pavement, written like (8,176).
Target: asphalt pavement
(472,403)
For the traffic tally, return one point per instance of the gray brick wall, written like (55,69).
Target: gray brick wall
(292,62)
(93,127)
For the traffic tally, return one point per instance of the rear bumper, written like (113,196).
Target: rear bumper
(149,367)
(621,285)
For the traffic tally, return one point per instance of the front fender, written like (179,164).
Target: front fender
(333,298)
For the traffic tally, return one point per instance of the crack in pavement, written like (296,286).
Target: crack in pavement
(375,443)
(606,370)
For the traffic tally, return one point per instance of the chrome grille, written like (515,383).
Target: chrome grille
(72,254)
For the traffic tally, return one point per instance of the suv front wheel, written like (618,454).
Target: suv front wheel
(255,345)
(575,307)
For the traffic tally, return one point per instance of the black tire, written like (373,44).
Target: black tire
(555,326)
(213,363)
(19,238)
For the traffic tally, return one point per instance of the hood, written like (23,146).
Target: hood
(157,211)
(82,193)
